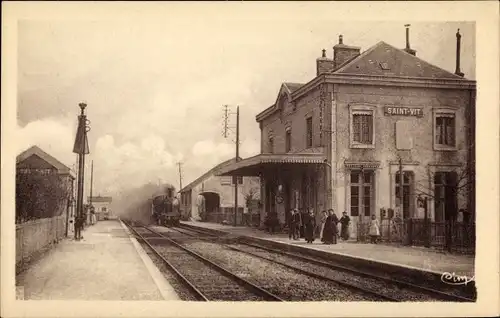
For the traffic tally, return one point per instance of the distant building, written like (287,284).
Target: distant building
(340,140)
(35,159)
(102,207)
(211,198)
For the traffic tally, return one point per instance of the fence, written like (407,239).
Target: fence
(33,236)
(451,236)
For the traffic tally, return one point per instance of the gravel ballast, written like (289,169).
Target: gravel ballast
(277,279)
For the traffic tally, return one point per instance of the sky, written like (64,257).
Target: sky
(155,88)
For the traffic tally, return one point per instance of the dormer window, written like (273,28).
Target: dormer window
(384,66)
(288,139)
(282,102)
(270,144)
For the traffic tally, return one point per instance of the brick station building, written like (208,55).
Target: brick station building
(340,140)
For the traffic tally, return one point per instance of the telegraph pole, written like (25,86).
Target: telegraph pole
(225,133)
(91,185)
(237,159)
(180,175)
(81,147)
(226,117)
(91,181)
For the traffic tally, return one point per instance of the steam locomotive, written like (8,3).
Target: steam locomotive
(165,209)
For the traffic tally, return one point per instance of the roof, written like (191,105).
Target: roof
(207,174)
(398,63)
(292,87)
(101,199)
(400,68)
(286,89)
(37,151)
(252,165)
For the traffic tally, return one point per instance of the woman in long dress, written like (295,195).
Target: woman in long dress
(323,218)
(374,230)
(309,226)
(330,230)
(344,226)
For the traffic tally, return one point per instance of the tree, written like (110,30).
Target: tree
(454,184)
(460,183)
(40,195)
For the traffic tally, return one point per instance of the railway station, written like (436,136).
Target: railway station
(350,179)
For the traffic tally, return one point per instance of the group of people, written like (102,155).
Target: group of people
(322,226)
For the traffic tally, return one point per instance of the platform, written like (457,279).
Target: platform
(107,264)
(418,258)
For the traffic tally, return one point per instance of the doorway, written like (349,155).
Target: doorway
(212,202)
(445,196)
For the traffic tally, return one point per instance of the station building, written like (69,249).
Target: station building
(341,140)
(35,160)
(102,206)
(211,197)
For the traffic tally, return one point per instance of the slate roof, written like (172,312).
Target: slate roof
(37,151)
(398,63)
(208,173)
(293,86)
(257,161)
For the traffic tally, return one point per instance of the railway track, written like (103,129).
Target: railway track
(206,280)
(387,288)
(357,288)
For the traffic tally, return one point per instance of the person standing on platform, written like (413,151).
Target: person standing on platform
(297,222)
(320,218)
(92,215)
(291,225)
(309,226)
(374,230)
(330,229)
(344,226)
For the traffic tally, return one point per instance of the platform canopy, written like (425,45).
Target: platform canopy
(254,166)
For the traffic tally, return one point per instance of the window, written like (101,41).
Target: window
(288,140)
(445,130)
(271,145)
(384,66)
(240,179)
(309,132)
(225,181)
(361,126)
(362,194)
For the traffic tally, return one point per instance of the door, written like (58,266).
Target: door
(408,206)
(445,196)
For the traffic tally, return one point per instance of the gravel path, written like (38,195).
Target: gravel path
(277,279)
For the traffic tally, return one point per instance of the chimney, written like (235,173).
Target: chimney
(408,49)
(457,69)
(343,53)
(323,64)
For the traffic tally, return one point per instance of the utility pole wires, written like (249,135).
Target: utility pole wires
(225,133)
(180,175)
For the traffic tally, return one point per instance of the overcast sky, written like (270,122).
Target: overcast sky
(155,89)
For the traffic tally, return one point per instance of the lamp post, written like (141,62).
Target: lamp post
(81,148)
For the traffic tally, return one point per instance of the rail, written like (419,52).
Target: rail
(240,281)
(426,290)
